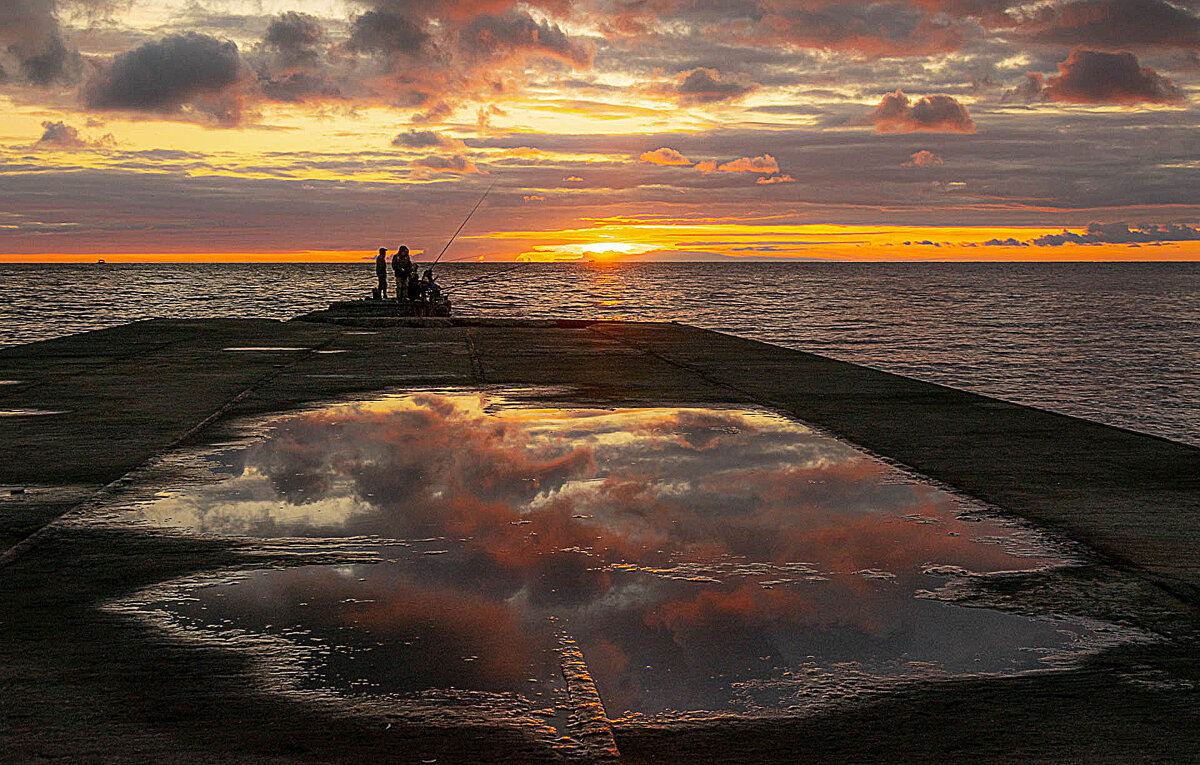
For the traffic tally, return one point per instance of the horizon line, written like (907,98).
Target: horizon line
(367,261)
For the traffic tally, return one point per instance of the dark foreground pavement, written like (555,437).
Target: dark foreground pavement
(80,683)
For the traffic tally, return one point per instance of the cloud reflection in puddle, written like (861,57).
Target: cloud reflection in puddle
(704,560)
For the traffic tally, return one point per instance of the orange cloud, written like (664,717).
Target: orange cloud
(785,178)
(765,164)
(664,156)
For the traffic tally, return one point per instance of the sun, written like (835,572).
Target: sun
(606,251)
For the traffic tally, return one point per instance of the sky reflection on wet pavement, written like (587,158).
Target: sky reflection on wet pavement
(703,560)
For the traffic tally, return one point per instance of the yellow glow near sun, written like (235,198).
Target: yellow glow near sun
(620,248)
(618,239)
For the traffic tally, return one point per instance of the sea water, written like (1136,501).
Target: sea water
(1116,343)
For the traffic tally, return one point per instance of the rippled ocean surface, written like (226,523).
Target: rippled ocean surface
(1118,343)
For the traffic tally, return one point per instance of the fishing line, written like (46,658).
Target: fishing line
(464,223)
(462,257)
(485,276)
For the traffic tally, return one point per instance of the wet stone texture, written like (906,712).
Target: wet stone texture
(624,557)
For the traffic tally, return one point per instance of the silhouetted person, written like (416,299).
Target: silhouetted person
(381,271)
(402,266)
(414,284)
(429,287)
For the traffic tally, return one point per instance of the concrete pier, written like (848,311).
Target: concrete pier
(84,411)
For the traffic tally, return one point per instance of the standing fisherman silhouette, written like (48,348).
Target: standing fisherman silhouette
(401,267)
(381,272)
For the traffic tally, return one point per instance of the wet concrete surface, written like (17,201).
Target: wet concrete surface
(85,678)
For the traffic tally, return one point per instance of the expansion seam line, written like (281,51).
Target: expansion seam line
(473,353)
(104,492)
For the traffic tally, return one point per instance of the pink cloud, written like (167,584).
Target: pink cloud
(1098,77)
(897,113)
(923,158)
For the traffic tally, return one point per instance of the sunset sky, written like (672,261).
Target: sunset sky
(605,129)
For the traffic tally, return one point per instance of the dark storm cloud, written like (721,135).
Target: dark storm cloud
(30,32)
(1098,77)
(294,63)
(897,113)
(299,87)
(388,33)
(1121,233)
(162,76)
(296,37)
(492,37)
(1113,23)
(51,62)
(704,86)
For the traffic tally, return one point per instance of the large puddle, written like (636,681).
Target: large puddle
(685,562)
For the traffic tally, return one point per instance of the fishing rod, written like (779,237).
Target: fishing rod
(463,224)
